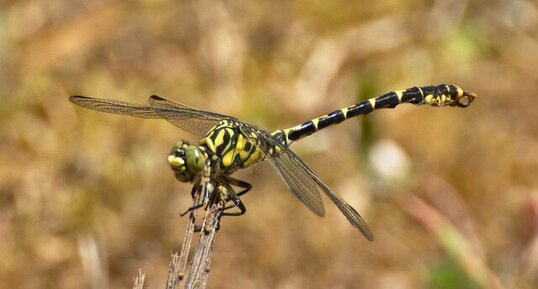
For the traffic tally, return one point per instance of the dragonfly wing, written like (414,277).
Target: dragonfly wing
(195,121)
(304,183)
(300,184)
(349,212)
(186,118)
(115,106)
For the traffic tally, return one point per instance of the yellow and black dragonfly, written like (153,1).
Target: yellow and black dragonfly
(228,144)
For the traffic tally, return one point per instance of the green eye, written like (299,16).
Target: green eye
(186,161)
(195,159)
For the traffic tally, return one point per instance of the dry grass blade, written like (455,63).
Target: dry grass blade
(199,270)
(177,265)
(175,273)
(139,280)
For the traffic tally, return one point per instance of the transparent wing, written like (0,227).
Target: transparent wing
(195,121)
(304,183)
(297,179)
(349,212)
(115,106)
(299,183)
(199,122)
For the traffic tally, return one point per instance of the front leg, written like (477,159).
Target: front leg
(206,182)
(195,192)
(207,188)
(203,185)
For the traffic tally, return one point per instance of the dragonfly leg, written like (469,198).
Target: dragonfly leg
(201,186)
(241,184)
(191,209)
(207,185)
(236,203)
(196,189)
(234,197)
(208,188)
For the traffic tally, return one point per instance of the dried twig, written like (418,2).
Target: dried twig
(177,265)
(199,269)
(175,274)
(139,280)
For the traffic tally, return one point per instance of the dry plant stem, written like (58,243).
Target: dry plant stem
(199,270)
(139,280)
(175,275)
(177,265)
(185,248)
(213,225)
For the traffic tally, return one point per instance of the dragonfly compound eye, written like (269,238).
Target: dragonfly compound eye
(186,161)
(195,159)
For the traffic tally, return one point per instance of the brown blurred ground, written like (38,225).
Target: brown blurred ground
(86,199)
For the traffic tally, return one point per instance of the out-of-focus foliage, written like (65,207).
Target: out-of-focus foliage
(86,199)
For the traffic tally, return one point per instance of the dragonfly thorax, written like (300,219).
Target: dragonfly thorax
(186,161)
(230,147)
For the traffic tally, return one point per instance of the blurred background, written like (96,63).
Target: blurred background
(87,199)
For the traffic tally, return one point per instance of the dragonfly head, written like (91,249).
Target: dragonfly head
(186,161)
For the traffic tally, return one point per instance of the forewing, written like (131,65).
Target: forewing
(190,119)
(115,106)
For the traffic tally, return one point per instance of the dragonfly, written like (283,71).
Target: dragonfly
(228,144)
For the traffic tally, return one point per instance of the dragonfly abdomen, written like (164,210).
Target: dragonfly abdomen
(438,95)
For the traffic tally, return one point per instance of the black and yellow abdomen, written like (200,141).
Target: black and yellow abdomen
(433,95)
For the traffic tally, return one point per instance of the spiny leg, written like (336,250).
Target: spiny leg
(206,176)
(239,183)
(202,185)
(196,189)
(234,197)
(208,186)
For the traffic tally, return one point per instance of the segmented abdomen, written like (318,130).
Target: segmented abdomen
(433,95)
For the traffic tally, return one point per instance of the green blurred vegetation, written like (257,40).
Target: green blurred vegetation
(448,275)
(86,199)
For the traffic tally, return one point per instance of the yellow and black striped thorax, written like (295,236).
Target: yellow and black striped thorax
(228,144)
